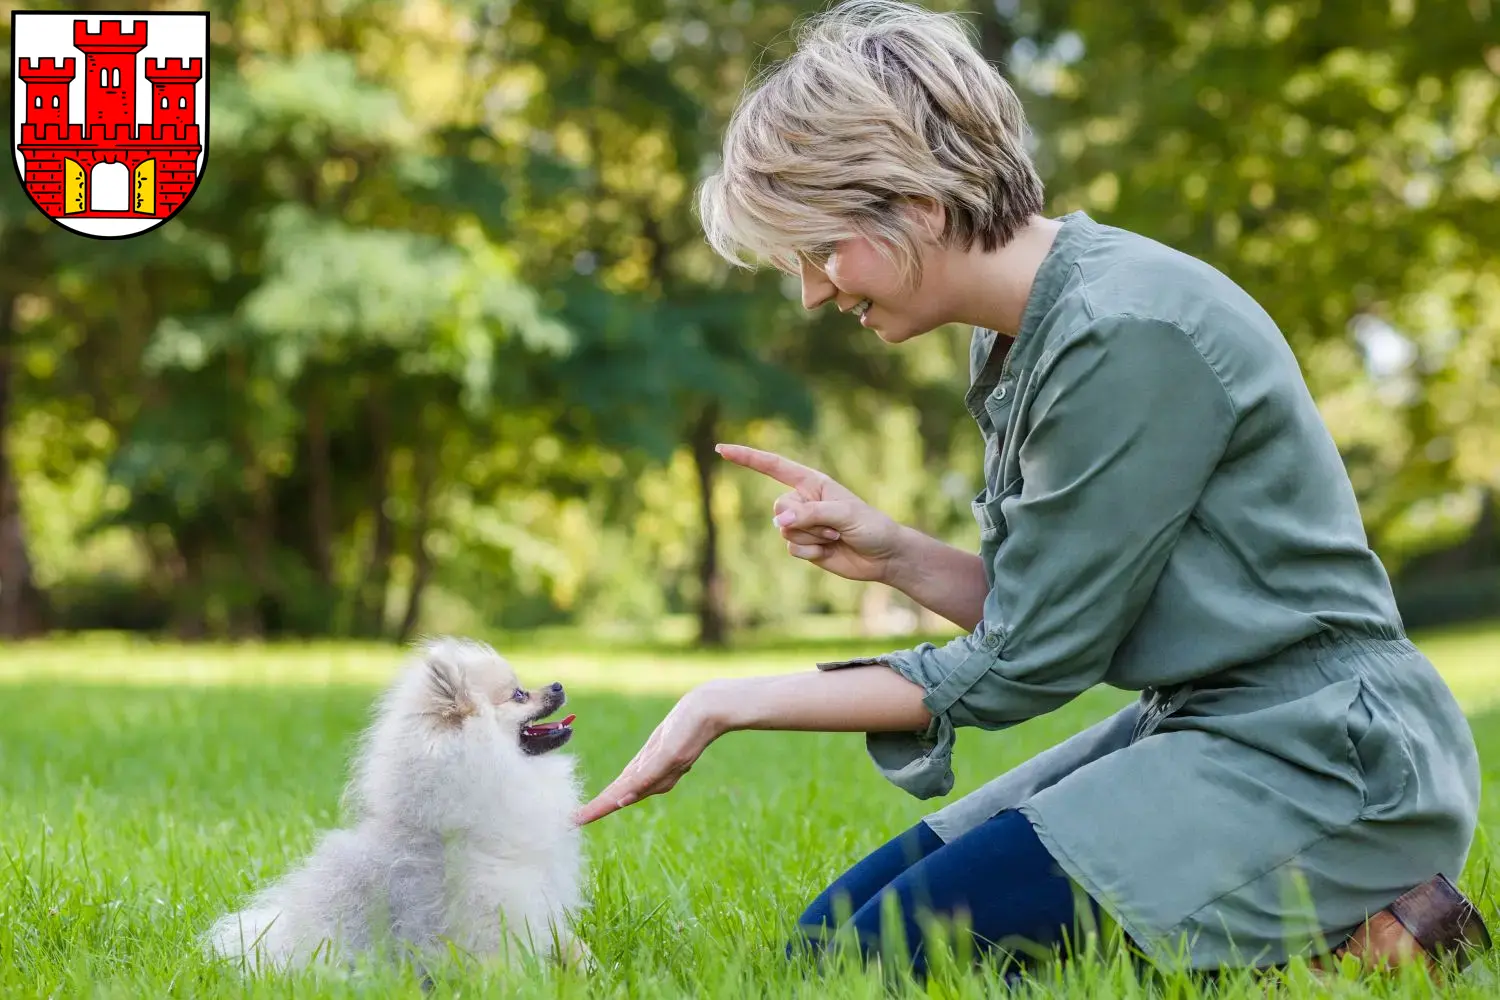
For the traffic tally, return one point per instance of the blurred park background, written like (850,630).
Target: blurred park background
(437,344)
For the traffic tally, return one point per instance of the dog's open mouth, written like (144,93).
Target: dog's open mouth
(540,737)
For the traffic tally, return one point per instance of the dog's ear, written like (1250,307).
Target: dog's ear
(451,700)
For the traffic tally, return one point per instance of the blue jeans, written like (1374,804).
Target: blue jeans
(998,877)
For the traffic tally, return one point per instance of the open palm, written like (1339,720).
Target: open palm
(670,752)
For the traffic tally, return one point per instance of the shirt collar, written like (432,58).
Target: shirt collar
(1073,237)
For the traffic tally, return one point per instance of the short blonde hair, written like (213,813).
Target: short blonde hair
(881,102)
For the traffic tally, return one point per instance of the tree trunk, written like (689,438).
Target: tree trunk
(258,533)
(268,616)
(23,610)
(713,600)
(421,559)
(189,609)
(320,486)
(370,611)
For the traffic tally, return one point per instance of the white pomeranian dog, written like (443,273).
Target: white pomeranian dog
(462,832)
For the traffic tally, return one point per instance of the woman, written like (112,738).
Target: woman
(1163,511)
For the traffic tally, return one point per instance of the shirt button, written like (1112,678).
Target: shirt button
(1000,392)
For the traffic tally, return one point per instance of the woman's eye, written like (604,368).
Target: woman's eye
(519,695)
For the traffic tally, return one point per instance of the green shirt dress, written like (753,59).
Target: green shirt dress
(1165,512)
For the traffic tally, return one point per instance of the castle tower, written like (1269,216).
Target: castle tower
(109,74)
(173,90)
(45,132)
(174,130)
(47,90)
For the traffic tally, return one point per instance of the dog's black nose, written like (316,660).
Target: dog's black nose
(555,687)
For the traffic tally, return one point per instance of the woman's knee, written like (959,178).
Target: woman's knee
(995,884)
(836,905)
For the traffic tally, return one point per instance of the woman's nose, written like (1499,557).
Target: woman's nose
(816,288)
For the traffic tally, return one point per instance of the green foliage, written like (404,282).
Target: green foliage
(1339,161)
(438,339)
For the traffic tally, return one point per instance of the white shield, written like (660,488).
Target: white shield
(109,125)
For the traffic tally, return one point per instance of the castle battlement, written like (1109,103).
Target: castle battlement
(156,135)
(108,135)
(109,37)
(51,133)
(162,70)
(48,70)
(111,134)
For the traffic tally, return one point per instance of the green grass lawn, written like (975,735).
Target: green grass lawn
(144,789)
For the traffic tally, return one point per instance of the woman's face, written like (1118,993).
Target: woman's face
(853,272)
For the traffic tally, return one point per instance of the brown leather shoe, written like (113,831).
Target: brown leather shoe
(1433,923)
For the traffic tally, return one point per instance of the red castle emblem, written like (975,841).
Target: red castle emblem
(117,172)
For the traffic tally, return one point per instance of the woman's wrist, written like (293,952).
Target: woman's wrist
(903,568)
(939,577)
(716,707)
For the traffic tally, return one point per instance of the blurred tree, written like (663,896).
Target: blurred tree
(24,607)
(440,324)
(22,604)
(1338,159)
(618,118)
(373,337)
(309,353)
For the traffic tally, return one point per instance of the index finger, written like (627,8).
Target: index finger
(618,794)
(600,807)
(768,463)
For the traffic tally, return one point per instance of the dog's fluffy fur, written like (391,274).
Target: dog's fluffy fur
(461,837)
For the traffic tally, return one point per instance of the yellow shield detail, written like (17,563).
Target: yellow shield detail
(145,187)
(73,198)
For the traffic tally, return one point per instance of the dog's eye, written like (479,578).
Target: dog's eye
(519,695)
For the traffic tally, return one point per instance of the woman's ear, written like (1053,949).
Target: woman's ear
(930,215)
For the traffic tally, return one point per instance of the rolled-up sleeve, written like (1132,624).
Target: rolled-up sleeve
(1125,425)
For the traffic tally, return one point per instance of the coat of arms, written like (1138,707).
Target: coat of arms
(110,120)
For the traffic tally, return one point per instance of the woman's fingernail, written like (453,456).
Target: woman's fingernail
(830,534)
(785,518)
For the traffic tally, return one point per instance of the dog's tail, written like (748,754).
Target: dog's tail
(252,937)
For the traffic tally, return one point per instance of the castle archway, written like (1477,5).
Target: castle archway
(73,187)
(109,188)
(145,187)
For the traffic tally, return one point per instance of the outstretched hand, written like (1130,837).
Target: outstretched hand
(668,754)
(859,699)
(823,521)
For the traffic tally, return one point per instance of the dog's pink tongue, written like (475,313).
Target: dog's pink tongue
(546,727)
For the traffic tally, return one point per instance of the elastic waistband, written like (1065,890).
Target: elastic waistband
(1336,643)
(1328,646)
(1304,666)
